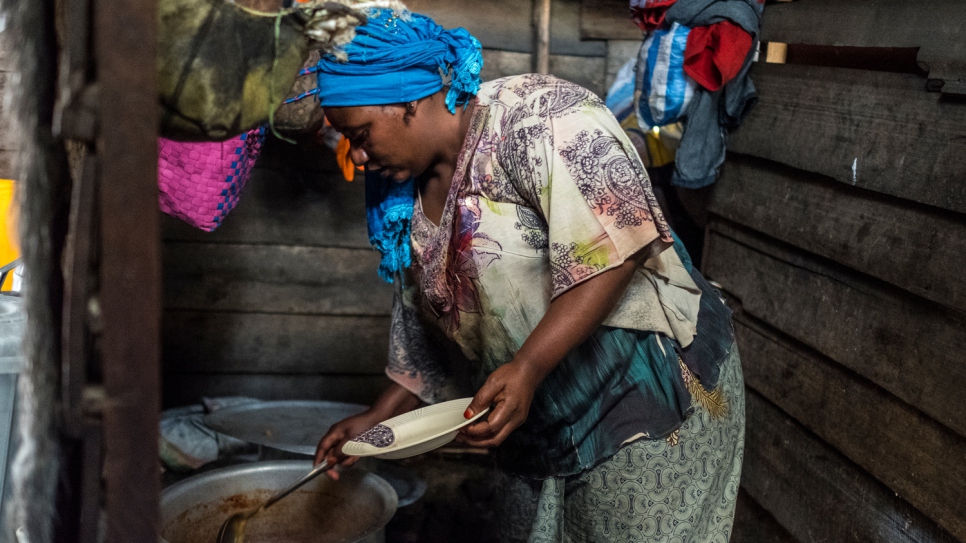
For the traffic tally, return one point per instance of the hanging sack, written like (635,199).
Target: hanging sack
(662,89)
(223,68)
(301,113)
(200,182)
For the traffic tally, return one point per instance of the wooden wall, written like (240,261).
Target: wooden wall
(838,230)
(283,300)
(838,226)
(8,136)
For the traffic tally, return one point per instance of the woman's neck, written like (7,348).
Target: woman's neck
(435,184)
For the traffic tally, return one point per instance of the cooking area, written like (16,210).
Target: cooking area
(436,271)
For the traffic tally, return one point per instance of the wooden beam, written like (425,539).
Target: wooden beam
(184,389)
(218,342)
(909,452)
(878,131)
(813,491)
(274,279)
(917,248)
(541,25)
(607,20)
(933,26)
(879,333)
(130,296)
(79,278)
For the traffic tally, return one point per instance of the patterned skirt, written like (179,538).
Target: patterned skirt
(681,489)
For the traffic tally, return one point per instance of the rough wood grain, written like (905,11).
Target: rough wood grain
(607,20)
(813,491)
(125,41)
(618,53)
(183,389)
(754,524)
(7,164)
(919,249)
(906,346)
(274,279)
(216,342)
(507,24)
(874,130)
(588,72)
(278,208)
(915,456)
(933,26)
(7,63)
(9,136)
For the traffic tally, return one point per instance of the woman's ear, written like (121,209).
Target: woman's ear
(410,111)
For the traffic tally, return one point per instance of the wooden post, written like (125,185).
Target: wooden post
(125,46)
(541,23)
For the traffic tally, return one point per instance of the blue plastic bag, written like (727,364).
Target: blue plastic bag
(662,89)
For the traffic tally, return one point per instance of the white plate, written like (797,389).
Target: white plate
(413,433)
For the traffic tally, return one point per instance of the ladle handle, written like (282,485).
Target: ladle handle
(308,477)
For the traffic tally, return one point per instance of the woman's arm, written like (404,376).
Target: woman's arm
(395,400)
(572,318)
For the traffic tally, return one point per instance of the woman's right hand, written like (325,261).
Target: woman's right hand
(395,400)
(330,446)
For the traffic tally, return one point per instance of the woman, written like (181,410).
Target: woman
(533,267)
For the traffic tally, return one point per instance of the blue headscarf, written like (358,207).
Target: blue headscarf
(396,58)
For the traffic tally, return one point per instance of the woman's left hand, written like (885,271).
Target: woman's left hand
(509,390)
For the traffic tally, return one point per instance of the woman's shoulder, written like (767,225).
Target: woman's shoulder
(524,89)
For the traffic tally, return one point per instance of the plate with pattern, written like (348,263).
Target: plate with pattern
(413,433)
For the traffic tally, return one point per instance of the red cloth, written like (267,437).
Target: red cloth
(715,54)
(649,14)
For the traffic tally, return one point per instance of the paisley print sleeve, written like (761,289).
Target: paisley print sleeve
(568,157)
(416,361)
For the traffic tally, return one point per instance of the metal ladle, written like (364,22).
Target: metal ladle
(233,530)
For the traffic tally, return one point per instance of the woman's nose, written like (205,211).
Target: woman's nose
(359,156)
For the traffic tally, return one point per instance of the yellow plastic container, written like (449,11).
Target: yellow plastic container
(9,240)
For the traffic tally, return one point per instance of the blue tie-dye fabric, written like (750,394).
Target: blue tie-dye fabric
(628,382)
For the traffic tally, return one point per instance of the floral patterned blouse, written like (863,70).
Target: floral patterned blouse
(548,192)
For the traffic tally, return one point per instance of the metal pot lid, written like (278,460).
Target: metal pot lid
(292,426)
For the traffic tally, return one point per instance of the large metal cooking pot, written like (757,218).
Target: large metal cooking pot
(352,509)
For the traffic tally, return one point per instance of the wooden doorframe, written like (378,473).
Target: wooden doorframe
(129,298)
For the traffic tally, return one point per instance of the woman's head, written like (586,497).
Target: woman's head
(402,77)
(402,140)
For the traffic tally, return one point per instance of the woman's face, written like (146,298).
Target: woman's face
(386,138)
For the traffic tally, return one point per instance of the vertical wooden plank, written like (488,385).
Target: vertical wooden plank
(541,23)
(125,44)
(77,268)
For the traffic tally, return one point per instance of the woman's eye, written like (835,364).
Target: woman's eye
(358,139)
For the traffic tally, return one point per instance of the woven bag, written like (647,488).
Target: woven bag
(200,182)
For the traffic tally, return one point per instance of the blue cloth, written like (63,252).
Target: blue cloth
(396,58)
(400,57)
(389,213)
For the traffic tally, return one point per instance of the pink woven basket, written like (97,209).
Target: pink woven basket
(200,182)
